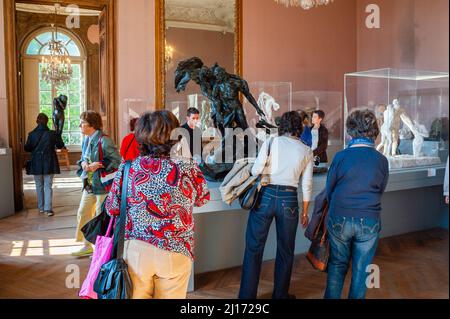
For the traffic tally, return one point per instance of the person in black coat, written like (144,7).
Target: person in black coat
(42,143)
(320,138)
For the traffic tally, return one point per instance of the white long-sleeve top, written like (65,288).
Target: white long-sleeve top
(289,161)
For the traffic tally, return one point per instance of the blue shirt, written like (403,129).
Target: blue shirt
(356,180)
(306,137)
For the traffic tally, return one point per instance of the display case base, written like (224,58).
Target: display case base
(409,161)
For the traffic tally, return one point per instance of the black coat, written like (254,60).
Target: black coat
(322,146)
(42,143)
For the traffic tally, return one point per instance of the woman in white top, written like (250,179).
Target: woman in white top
(289,161)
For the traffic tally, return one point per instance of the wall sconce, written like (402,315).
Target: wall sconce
(168,54)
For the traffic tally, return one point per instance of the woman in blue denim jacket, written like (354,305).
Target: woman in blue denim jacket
(356,181)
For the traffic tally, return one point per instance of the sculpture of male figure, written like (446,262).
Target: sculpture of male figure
(385,130)
(59,106)
(268,104)
(226,89)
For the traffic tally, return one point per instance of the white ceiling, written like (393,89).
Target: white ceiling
(215,15)
(47,9)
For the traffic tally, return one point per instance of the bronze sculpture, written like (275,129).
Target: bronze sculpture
(59,106)
(222,90)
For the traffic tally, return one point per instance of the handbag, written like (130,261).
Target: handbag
(102,254)
(97,226)
(249,198)
(113,281)
(106,177)
(319,251)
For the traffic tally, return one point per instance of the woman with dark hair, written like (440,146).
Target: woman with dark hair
(42,143)
(162,191)
(284,159)
(129,149)
(356,181)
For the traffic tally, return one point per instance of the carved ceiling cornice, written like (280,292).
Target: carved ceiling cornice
(216,15)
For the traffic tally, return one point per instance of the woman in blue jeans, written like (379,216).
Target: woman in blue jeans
(356,181)
(287,161)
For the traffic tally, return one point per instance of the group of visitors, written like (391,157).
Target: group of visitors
(356,181)
(163,189)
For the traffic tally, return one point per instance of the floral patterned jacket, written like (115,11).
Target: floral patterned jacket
(160,198)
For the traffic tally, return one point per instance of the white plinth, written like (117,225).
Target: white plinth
(409,161)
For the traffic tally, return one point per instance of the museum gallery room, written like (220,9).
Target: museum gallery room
(359,76)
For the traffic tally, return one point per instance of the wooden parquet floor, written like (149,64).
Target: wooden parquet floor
(35,259)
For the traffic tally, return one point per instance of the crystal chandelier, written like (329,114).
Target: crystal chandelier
(56,68)
(304,4)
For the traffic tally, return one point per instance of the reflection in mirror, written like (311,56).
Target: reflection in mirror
(202,28)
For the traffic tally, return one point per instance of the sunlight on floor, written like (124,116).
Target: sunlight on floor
(61,183)
(51,247)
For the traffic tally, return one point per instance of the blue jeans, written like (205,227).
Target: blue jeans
(282,203)
(350,238)
(44,191)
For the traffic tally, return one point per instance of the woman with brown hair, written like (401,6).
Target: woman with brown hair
(162,191)
(99,153)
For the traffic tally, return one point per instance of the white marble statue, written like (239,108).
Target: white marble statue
(268,104)
(393,117)
(385,130)
(419,131)
(205,115)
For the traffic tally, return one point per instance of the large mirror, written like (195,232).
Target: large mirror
(208,29)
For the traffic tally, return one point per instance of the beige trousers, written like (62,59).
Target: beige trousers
(156,273)
(90,206)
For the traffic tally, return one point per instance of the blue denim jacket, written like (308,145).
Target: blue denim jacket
(111,158)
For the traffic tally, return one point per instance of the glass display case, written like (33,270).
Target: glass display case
(412,111)
(331,103)
(274,98)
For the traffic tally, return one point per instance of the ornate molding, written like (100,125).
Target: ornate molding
(160,27)
(218,13)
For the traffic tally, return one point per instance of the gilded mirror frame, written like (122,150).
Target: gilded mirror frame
(160,27)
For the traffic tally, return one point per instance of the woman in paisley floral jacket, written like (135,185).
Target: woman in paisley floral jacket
(162,191)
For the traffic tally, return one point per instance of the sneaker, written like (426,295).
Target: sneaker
(83,252)
(41,212)
(49,213)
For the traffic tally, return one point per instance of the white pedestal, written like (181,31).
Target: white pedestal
(409,161)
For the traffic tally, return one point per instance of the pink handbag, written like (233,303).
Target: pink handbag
(102,255)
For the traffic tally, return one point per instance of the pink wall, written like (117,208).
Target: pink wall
(413,35)
(312,49)
(432,24)
(135,55)
(210,46)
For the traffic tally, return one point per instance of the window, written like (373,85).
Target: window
(74,90)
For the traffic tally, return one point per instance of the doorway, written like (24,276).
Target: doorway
(86,28)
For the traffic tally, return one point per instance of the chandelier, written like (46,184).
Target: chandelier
(304,4)
(56,67)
